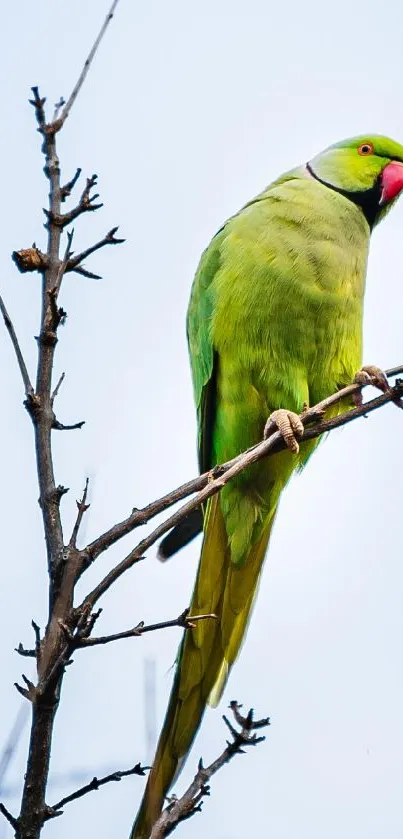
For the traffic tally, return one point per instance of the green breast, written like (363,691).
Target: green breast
(288,294)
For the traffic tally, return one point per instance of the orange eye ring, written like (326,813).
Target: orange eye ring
(365,149)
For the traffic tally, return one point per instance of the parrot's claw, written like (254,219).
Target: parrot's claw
(288,424)
(371,375)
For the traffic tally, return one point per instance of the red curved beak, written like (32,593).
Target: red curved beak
(391,182)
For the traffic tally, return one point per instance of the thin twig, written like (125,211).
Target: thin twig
(70,102)
(84,272)
(82,508)
(75,262)
(212,482)
(57,388)
(95,784)
(67,188)
(6,813)
(37,632)
(58,107)
(20,359)
(184,620)
(66,258)
(180,809)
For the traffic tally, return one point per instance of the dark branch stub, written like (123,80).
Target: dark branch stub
(30,259)
(59,426)
(10,818)
(67,189)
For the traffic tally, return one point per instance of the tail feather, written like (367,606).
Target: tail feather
(206,654)
(181,535)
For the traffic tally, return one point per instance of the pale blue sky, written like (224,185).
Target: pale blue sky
(189,110)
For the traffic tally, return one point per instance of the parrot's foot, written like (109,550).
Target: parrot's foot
(371,375)
(288,424)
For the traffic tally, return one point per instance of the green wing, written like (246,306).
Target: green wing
(203,358)
(203,361)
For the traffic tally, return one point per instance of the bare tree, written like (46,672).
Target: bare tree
(71,622)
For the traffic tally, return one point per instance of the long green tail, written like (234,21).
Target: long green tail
(206,654)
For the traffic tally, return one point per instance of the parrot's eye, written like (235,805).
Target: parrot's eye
(365,149)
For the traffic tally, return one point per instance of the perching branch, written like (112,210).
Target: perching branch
(212,482)
(180,809)
(274,444)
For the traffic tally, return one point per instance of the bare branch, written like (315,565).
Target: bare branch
(59,426)
(95,784)
(212,482)
(57,388)
(88,623)
(24,652)
(82,508)
(58,107)
(40,407)
(20,358)
(30,691)
(87,65)
(85,205)
(180,809)
(37,632)
(75,262)
(39,104)
(86,273)
(63,265)
(52,652)
(184,620)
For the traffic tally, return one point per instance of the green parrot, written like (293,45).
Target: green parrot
(274,324)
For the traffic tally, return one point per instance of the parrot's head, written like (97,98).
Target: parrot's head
(367,169)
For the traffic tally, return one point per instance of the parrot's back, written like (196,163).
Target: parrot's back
(274,321)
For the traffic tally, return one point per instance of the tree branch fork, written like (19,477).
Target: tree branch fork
(190,803)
